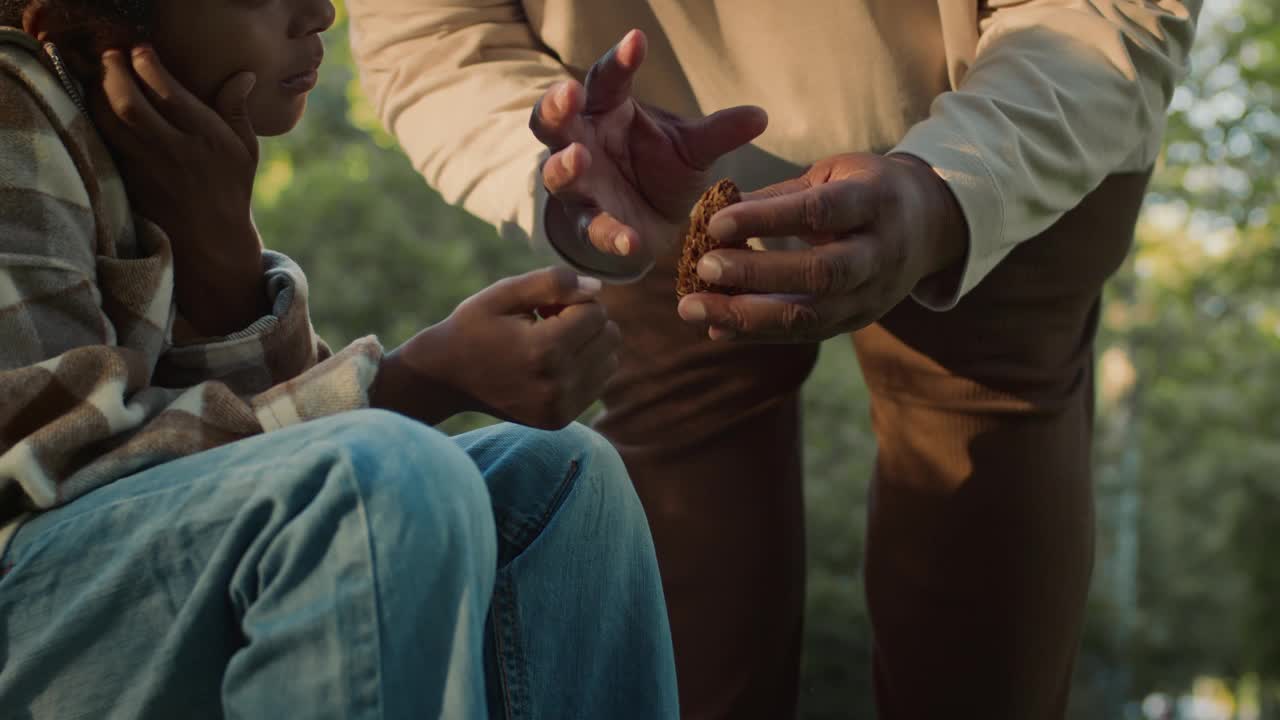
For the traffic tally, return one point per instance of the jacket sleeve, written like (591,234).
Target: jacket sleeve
(455,82)
(84,335)
(1059,94)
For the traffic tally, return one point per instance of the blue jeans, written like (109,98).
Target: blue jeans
(361,566)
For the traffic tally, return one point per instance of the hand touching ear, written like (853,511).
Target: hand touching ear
(189,168)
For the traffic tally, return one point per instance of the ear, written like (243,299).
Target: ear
(81,31)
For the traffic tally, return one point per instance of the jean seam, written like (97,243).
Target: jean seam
(506,621)
(506,625)
(376,669)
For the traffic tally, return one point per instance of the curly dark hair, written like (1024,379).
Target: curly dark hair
(11,12)
(135,13)
(83,29)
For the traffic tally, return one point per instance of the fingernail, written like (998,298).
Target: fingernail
(562,98)
(719,333)
(140,51)
(693,311)
(622,244)
(564,162)
(110,54)
(722,228)
(589,285)
(710,268)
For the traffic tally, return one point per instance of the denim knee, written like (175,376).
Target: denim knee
(409,478)
(600,460)
(574,445)
(532,473)
(604,479)
(389,535)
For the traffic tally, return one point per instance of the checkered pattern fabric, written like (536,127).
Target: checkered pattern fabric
(92,385)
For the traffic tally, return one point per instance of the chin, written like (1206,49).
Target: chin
(279,122)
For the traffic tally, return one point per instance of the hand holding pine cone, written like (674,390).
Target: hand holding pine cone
(697,242)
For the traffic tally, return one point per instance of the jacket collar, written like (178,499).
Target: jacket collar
(48,53)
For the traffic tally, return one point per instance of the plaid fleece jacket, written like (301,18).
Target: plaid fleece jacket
(92,386)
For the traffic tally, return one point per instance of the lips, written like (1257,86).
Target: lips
(301,82)
(307,74)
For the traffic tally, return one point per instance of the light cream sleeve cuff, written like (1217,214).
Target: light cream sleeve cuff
(959,163)
(1061,94)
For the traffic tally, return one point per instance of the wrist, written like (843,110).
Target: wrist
(415,380)
(218,280)
(945,231)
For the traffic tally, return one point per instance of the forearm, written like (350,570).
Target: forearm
(419,387)
(219,283)
(1059,96)
(455,82)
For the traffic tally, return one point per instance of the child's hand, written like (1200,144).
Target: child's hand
(189,168)
(495,356)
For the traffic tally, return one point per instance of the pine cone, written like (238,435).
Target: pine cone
(697,242)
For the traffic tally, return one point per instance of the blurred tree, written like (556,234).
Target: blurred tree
(1197,314)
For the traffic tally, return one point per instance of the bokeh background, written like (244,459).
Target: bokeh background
(1185,612)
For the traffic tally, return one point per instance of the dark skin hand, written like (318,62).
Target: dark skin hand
(189,168)
(493,355)
(622,178)
(878,226)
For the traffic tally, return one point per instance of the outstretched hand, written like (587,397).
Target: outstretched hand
(622,176)
(877,226)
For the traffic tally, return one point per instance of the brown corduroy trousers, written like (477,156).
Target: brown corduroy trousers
(980,533)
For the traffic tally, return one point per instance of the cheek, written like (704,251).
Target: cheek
(199,73)
(204,61)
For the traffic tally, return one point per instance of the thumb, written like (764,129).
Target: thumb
(233,105)
(540,288)
(722,132)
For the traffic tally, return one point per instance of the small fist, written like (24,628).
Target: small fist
(496,352)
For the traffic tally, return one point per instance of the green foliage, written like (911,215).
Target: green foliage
(1197,316)
(1187,452)
(839,451)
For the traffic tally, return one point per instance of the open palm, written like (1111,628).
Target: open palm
(622,175)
